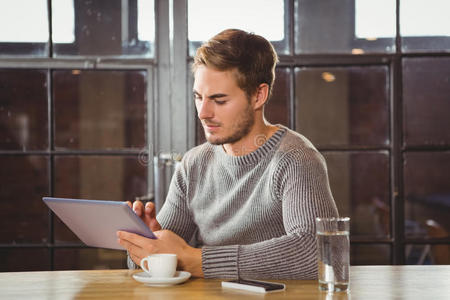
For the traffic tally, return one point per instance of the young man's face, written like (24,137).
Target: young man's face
(222,107)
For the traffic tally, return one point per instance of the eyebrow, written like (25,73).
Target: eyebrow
(213,96)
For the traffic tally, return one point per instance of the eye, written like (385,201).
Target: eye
(218,102)
(197,97)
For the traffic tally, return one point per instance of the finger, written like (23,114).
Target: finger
(129,204)
(129,245)
(138,207)
(135,259)
(134,251)
(125,244)
(158,233)
(150,209)
(150,217)
(133,238)
(154,225)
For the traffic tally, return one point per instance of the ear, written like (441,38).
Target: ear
(261,96)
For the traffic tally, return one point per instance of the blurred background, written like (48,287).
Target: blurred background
(96,102)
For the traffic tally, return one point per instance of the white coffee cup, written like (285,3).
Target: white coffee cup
(160,265)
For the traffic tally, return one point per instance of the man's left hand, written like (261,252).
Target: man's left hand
(189,258)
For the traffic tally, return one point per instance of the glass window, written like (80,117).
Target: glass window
(343,106)
(100,110)
(426,104)
(359,182)
(23,214)
(103,28)
(114,178)
(278,108)
(24,259)
(24,31)
(427,194)
(375,254)
(345,26)
(427,254)
(89,259)
(425,25)
(267,18)
(23,110)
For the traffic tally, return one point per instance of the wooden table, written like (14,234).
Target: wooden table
(367,282)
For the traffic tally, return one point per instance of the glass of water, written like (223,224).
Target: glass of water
(333,253)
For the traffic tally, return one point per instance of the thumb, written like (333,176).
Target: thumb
(158,234)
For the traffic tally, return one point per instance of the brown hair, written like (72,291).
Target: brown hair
(250,55)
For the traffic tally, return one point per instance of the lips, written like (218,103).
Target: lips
(211,126)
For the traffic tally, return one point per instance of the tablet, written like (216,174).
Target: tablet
(96,222)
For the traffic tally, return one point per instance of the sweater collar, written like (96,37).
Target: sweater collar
(255,156)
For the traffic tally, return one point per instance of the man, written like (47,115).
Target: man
(249,196)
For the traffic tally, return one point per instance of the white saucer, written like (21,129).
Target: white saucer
(147,279)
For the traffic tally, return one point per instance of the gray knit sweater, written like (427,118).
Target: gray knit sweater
(253,215)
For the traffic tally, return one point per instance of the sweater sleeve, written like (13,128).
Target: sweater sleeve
(300,182)
(175,214)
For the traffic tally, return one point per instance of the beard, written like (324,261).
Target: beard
(240,128)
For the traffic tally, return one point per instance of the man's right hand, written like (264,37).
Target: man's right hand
(147,213)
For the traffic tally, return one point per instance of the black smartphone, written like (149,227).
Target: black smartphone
(254,285)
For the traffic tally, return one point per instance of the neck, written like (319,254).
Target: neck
(258,135)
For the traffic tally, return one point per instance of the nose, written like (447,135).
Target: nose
(205,110)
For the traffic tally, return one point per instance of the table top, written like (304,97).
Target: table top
(366,282)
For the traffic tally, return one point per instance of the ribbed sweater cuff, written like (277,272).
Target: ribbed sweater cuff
(220,262)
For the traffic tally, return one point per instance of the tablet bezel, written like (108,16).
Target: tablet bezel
(96,222)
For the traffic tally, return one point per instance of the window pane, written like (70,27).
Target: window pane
(427,254)
(103,28)
(24,31)
(100,109)
(23,110)
(376,254)
(277,110)
(343,106)
(345,26)
(427,194)
(360,185)
(24,259)
(267,18)
(424,25)
(23,214)
(89,259)
(426,104)
(97,177)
